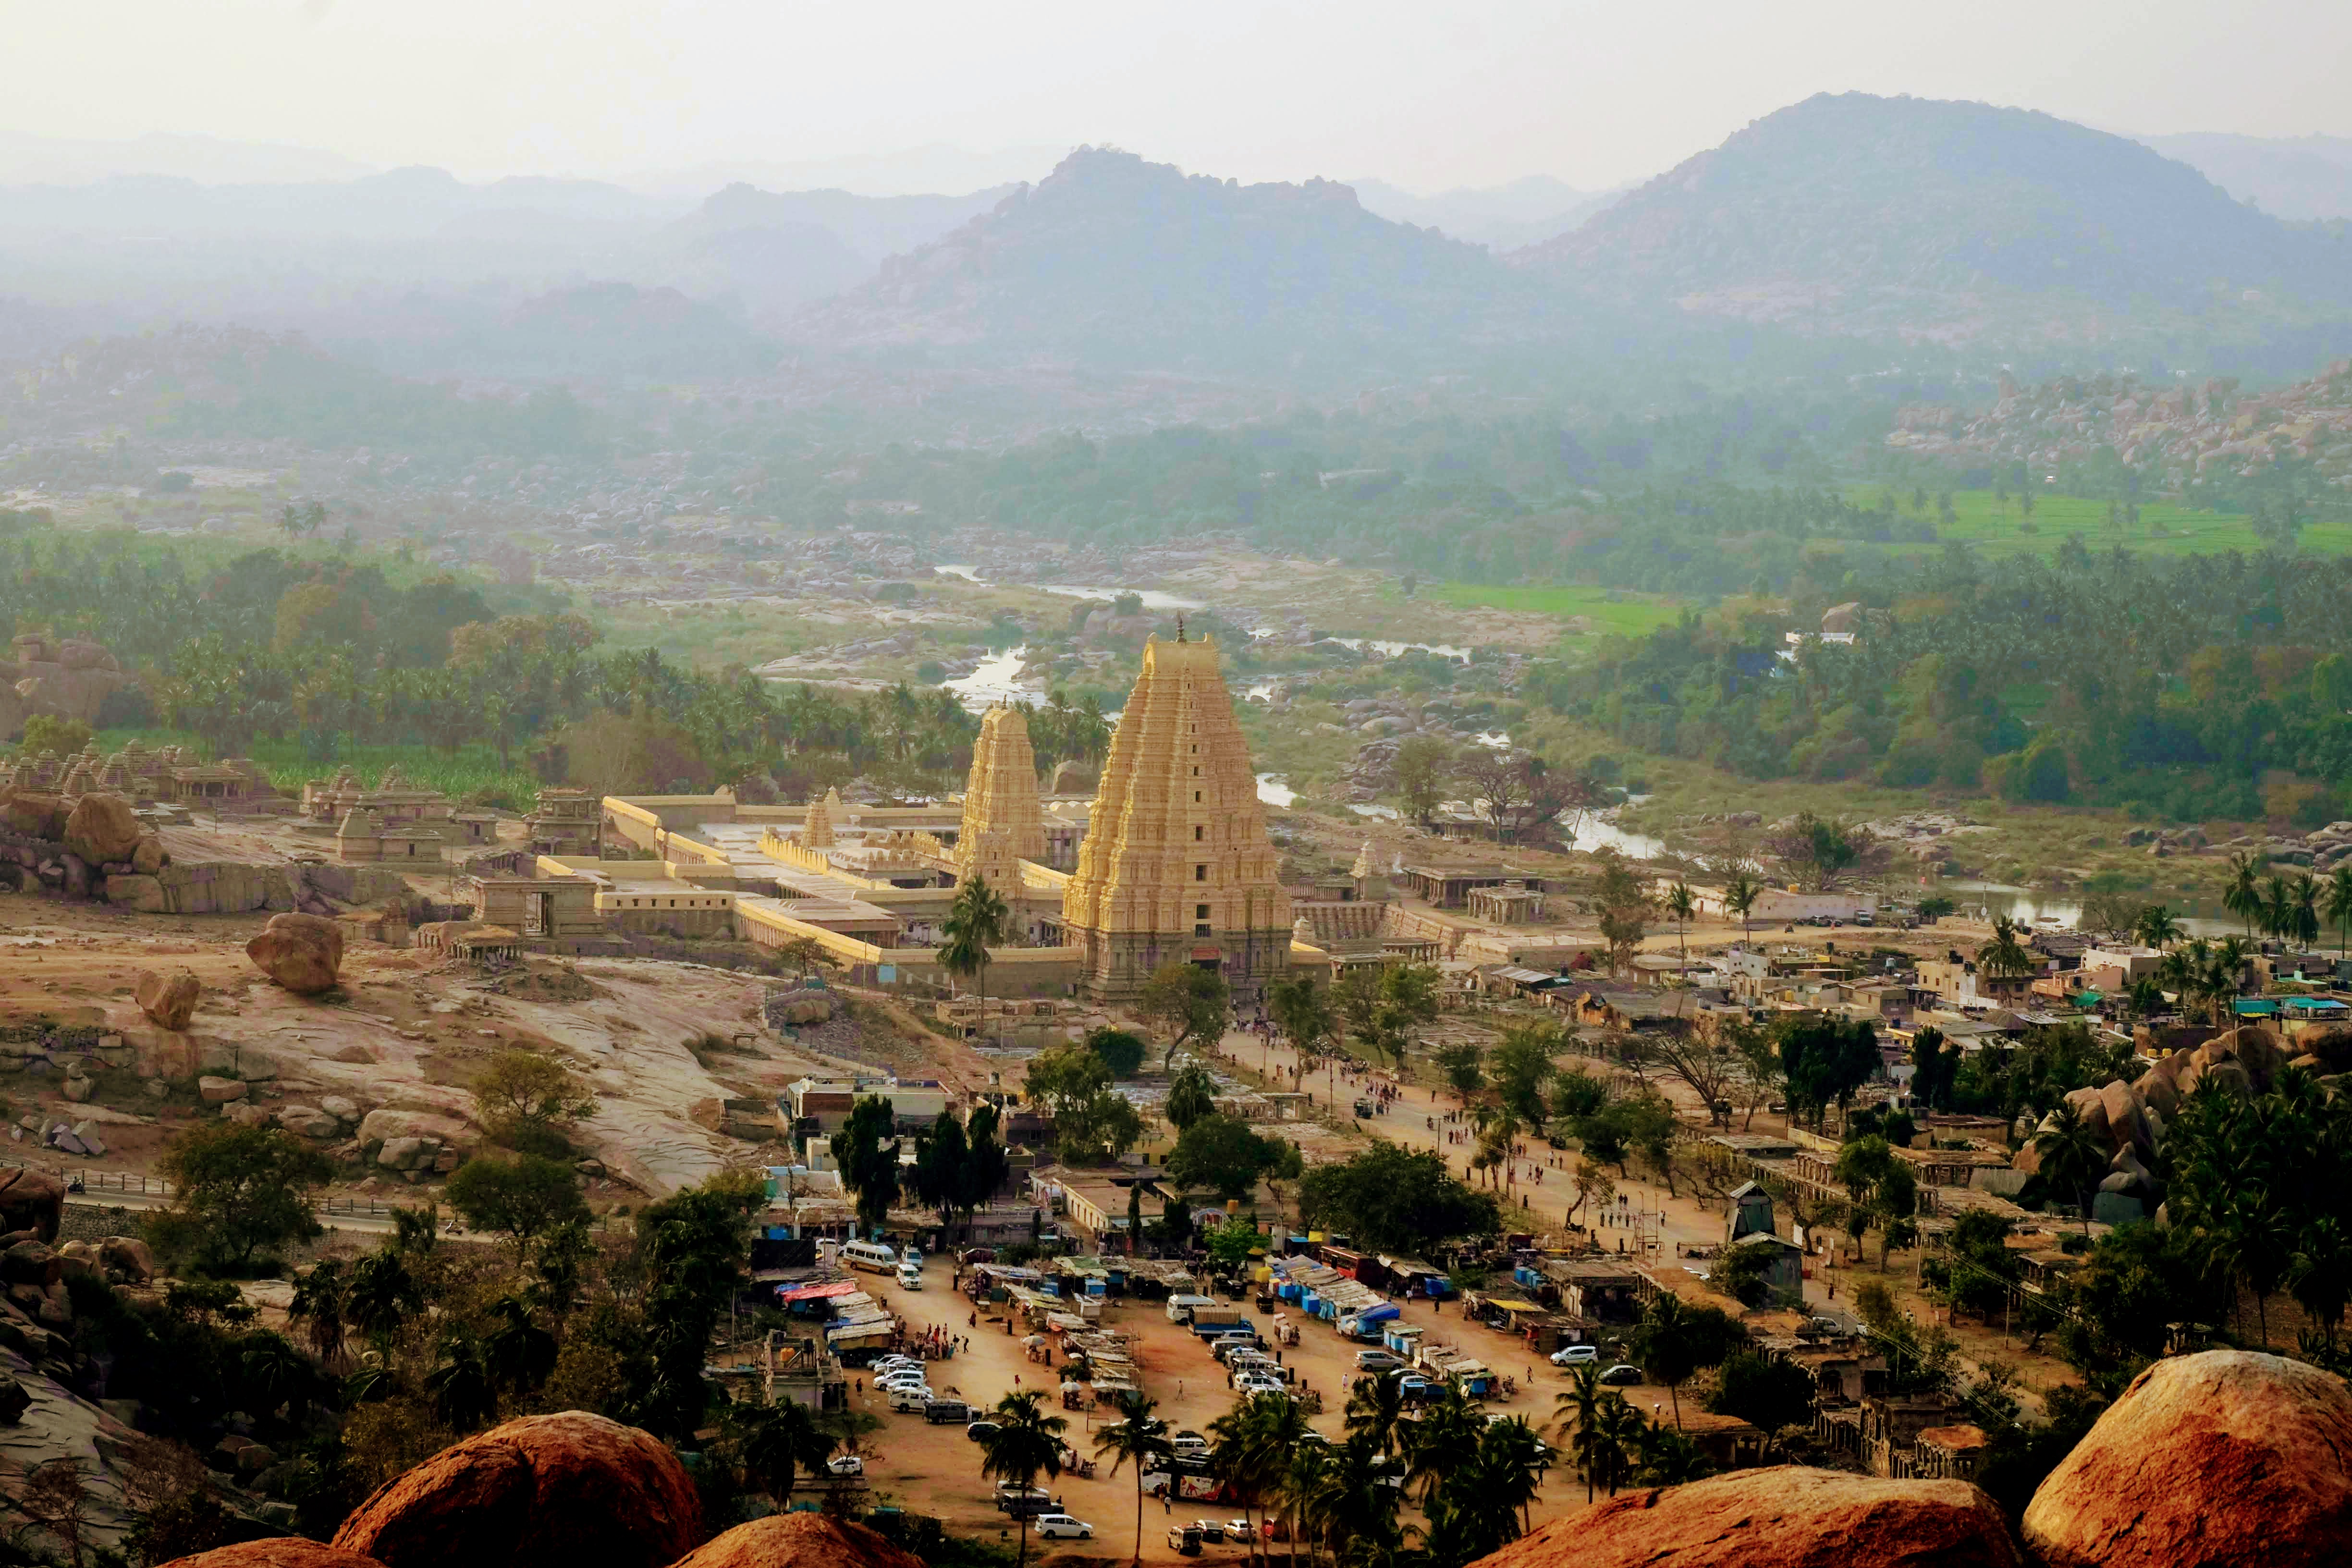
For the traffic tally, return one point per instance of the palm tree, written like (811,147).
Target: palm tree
(2320,1277)
(1447,1430)
(1664,1342)
(1513,1463)
(2157,928)
(2224,972)
(1253,1440)
(1668,1457)
(1138,1438)
(2303,910)
(2244,894)
(2249,1238)
(1619,1438)
(319,1304)
(1681,906)
(776,1442)
(975,922)
(1741,896)
(2276,912)
(520,1355)
(382,1296)
(1576,1410)
(1373,1411)
(2005,954)
(464,1394)
(1308,1484)
(2338,908)
(2074,1159)
(1026,1443)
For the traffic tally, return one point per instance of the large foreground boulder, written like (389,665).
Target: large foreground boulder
(30,1200)
(573,1490)
(1785,1516)
(101,829)
(301,953)
(31,813)
(799,1541)
(2219,1459)
(169,1001)
(278,1551)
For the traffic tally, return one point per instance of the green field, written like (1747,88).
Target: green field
(1608,609)
(472,775)
(2164,527)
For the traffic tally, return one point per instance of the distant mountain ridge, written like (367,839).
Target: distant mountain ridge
(1923,218)
(1501,218)
(2296,178)
(1111,254)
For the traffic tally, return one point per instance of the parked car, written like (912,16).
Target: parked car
(1211,1531)
(1576,1355)
(980,1431)
(1189,1444)
(1378,1361)
(916,1397)
(1184,1539)
(1017,1500)
(1061,1527)
(1226,1348)
(1238,1529)
(1621,1375)
(891,1363)
(939,1412)
(845,1465)
(1258,1383)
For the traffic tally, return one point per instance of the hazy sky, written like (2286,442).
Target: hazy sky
(1427,96)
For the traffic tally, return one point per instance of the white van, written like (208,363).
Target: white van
(911,1274)
(869,1255)
(1179,1307)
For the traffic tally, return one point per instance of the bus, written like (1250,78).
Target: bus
(871,1256)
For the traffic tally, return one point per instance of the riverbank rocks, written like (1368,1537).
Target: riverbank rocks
(300,952)
(573,1489)
(169,1001)
(102,830)
(2223,1458)
(1784,1516)
(798,1540)
(279,1552)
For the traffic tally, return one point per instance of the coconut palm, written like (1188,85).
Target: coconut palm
(520,1353)
(1577,1411)
(382,1296)
(318,1305)
(2303,910)
(1248,1451)
(2338,909)
(1373,1411)
(2242,896)
(777,1442)
(1740,895)
(2320,1277)
(975,922)
(2074,1159)
(1681,906)
(2005,954)
(465,1395)
(1026,1443)
(2158,928)
(1447,1430)
(1137,1437)
(1618,1439)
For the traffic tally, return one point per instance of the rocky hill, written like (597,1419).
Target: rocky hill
(1914,218)
(1113,258)
(2183,431)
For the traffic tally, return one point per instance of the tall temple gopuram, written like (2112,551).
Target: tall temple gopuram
(1003,823)
(1176,864)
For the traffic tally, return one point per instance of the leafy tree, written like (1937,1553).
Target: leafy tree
(1463,1064)
(1825,1061)
(777,1442)
(1625,907)
(940,1155)
(239,1191)
(1673,1341)
(1189,1003)
(693,1248)
(1092,1120)
(523,1096)
(1302,1011)
(521,1198)
(1395,1199)
(1223,1155)
(1522,1063)
(1424,768)
(1121,1052)
(1385,1012)
(1230,1240)
(867,1152)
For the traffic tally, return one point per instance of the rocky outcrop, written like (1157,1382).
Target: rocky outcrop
(63,679)
(169,1001)
(28,814)
(1785,1516)
(32,1201)
(301,953)
(798,1540)
(101,829)
(2221,1459)
(573,1489)
(279,1552)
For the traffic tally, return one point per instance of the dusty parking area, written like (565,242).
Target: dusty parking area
(935,1469)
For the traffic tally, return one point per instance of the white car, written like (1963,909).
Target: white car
(913,1398)
(893,1379)
(1576,1355)
(1253,1384)
(1061,1527)
(845,1465)
(891,1363)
